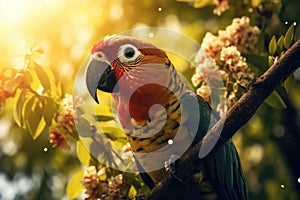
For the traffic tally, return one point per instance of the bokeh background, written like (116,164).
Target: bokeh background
(269,144)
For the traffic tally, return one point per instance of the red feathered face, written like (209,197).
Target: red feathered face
(125,49)
(116,61)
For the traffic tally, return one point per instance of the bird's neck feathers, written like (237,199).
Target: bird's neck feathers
(143,86)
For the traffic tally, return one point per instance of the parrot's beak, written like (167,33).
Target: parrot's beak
(100,75)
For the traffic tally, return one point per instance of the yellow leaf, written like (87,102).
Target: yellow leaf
(83,154)
(43,76)
(202,3)
(49,110)
(280,44)
(132,192)
(102,174)
(288,38)
(255,3)
(34,120)
(18,109)
(185,0)
(75,187)
(272,45)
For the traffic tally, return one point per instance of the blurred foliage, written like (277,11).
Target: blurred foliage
(58,35)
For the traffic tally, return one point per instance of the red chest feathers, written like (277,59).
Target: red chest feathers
(142,99)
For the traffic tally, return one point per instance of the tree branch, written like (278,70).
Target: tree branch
(235,118)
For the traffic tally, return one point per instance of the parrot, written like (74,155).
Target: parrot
(154,105)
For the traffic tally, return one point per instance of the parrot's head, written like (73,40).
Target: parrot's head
(114,57)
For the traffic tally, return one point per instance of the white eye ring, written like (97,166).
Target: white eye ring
(128,53)
(99,56)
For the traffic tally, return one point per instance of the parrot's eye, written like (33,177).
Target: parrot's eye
(128,53)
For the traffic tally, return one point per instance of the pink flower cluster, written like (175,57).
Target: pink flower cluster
(95,189)
(10,81)
(206,68)
(237,64)
(240,34)
(91,182)
(65,125)
(220,58)
(4,95)
(221,6)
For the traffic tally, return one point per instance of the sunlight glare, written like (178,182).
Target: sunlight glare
(14,11)
(5,124)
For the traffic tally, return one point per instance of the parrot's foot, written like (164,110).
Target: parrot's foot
(170,167)
(139,197)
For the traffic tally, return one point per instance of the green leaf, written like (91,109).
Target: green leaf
(75,187)
(288,38)
(50,108)
(83,127)
(113,133)
(28,108)
(289,83)
(56,89)
(260,62)
(83,154)
(280,44)
(39,129)
(43,77)
(272,45)
(74,135)
(18,109)
(101,118)
(275,101)
(33,117)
